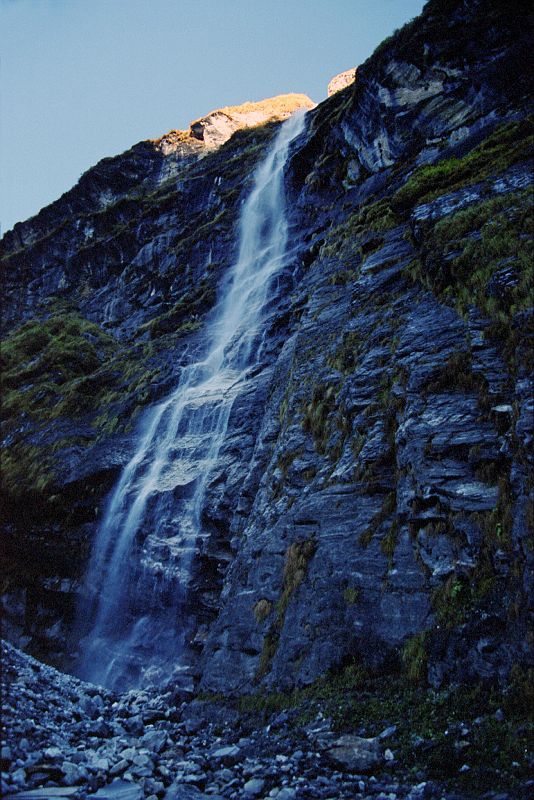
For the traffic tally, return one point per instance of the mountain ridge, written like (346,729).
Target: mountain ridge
(142,162)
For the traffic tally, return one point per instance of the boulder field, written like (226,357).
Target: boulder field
(65,738)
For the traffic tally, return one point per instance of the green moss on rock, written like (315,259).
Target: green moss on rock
(298,556)
(507,145)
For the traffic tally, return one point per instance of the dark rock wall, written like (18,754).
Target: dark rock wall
(373,498)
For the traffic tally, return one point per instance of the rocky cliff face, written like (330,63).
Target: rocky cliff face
(373,497)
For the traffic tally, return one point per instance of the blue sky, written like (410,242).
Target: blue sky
(84,79)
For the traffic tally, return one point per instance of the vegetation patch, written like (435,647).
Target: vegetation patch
(183,317)
(483,256)
(415,656)
(61,367)
(352,595)
(454,600)
(270,646)
(328,172)
(456,375)
(345,357)
(343,277)
(389,542)
(507,145)
(65,347)
(283,464)
(464,594)
(298,556)
(26,470)
(436,732)
(46,365)
(316,416)
(358,235)
(389,504)
(262,609)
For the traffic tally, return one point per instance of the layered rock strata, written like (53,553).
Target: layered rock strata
(373,498)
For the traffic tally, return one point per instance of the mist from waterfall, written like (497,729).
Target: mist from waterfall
(131,615)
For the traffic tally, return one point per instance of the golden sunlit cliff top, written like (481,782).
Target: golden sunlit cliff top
(216,127)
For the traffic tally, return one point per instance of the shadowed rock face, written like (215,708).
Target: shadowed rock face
(373,489)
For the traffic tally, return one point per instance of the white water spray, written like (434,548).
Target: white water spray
(130,610)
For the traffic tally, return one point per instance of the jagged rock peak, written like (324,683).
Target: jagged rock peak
(216,127)
(342,80)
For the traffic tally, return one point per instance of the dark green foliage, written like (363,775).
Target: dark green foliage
(464,594)
(57,367)
(456,375)
(26,470)
(351,595)
(76,370)
(345,357)
(482,256)
(388,507)
(389,542)
(355,238)
(453,600)
(481,240)
(283,464)
(44,363)
(262,609)
(343,277)
(205,226)
(377,217)
(297,558)
(328,172)
(46,360)
(65,346)
(316,416)
(270,646)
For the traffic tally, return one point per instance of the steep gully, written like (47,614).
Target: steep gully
(132,618)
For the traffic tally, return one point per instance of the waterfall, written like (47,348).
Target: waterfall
(132,607)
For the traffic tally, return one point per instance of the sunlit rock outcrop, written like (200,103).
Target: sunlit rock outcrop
(341,81)
(218,126)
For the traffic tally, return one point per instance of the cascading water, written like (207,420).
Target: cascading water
(137,579)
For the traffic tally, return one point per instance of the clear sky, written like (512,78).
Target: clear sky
(84,79)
